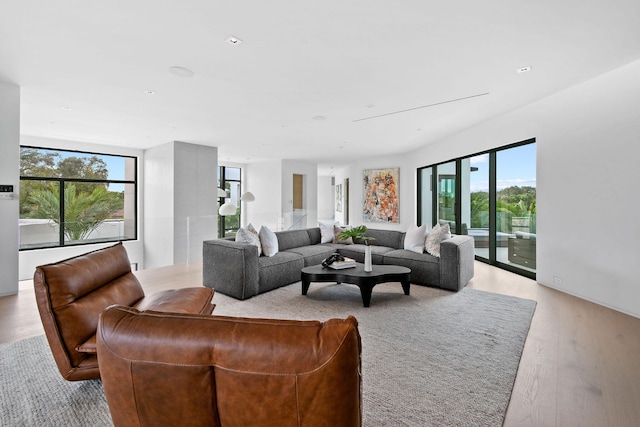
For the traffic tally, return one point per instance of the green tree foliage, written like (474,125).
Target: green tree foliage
(510,202)
(86,204)
(83,211)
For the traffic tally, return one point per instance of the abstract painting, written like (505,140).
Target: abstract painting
(381,195)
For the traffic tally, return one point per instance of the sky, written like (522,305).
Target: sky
(515,167)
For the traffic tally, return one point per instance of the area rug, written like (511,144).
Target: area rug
(434,358)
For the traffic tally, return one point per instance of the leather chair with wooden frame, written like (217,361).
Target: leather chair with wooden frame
(72,293)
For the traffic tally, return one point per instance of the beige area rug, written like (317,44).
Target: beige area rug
(433,358)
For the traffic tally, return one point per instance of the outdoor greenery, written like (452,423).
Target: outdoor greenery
(86,204)
(511,202)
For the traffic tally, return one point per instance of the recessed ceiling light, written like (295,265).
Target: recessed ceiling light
(149,92)
(233,40)
(66,108)
(523,69)
(181,72)
(319,118)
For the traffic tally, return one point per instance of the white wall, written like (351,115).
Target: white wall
(9,175)
(407,186)
(326,196)
(195,198)
(29,260)
(587,183)
(265,180)
(180,202)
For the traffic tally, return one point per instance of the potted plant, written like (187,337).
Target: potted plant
(359,233)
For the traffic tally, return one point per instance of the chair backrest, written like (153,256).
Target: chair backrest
(71,294)
(161,369)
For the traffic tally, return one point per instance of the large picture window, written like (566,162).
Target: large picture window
(490,196)
(73,197)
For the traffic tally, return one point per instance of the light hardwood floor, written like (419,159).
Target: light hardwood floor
(580,366)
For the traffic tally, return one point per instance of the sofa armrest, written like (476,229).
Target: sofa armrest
(230,268)
(457,257)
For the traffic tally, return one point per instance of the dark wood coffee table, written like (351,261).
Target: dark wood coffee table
(357,276)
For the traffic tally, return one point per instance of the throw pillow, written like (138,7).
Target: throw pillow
(414,239)
(245,236)
(437,234)
(326,232)
(269,241)
(253,230)
(336,236)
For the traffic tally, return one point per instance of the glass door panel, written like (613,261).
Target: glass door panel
(446,193)
(516,207)
(475,211)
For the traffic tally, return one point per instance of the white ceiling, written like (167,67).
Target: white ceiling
(84,67)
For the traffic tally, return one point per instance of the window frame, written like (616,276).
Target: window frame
(61,183)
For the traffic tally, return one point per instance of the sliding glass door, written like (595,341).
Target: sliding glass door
(490,196)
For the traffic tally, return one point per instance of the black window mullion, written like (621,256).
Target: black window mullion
(457,208)
(492,207)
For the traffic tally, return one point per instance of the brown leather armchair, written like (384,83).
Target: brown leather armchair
(72,293)
(170,369)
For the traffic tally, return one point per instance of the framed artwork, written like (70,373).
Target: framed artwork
(381,195)
(338,197)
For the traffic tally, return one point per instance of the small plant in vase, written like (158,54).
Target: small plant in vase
(359,233)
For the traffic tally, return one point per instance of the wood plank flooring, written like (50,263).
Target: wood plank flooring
(580,365)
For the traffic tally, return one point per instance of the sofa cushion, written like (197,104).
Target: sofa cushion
(313,254)
(314,235)
(357,252)
(279,270)
(292,239)
(389,238)
(425,268)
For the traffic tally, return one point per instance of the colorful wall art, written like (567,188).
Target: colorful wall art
(381,195)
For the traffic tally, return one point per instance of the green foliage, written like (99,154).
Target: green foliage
(356,233)
(86,204)
(510,202)
(83,211)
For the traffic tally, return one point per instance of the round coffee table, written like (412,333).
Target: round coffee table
(357,276)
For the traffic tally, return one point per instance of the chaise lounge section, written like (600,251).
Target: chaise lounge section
(235,269)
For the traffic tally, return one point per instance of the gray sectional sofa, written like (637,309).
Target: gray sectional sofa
(236,270)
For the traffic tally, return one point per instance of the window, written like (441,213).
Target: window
(73,198)
(229,179)
(490,196)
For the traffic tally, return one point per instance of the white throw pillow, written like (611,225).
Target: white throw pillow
(414,239)
(437,234)
(245,236)
(326,232)
(269,241)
